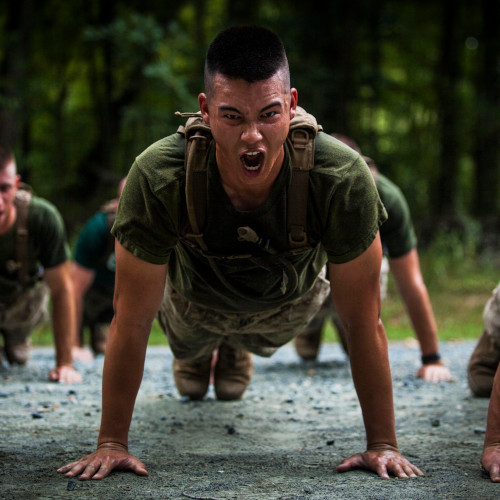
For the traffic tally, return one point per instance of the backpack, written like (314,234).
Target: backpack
(301,137)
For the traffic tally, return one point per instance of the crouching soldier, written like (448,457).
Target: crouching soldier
(33,265)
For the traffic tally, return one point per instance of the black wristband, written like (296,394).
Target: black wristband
(431,358)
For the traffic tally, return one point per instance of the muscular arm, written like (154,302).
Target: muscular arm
(138,293)
(491,451)
(356,294)
(60,284)
(408,276)
(82,280)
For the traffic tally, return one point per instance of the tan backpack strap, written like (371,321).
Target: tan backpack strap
(198,139)
(303,130)
(22,201)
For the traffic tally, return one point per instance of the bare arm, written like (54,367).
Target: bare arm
(82,280)
(60,284)
(356,294)
(138,293)
(491,451)
(408,276)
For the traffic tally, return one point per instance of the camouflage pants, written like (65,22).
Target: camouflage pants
(194,331)
(491,315)
(328,311)
(20,318)
(97,315)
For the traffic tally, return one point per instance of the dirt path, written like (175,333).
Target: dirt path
(282,441)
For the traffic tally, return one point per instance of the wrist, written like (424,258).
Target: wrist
(428,359)
(112,445)
(382,447)
(64,364)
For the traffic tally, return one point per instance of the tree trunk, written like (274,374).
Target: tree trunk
(445,197)
(13,71)
(487,144)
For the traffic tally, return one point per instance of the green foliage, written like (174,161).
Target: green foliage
(104,81)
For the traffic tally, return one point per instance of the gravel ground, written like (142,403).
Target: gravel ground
(283,440)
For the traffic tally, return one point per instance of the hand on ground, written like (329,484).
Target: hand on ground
(81,354)
(491,462)
(65,374)
(434,372)
(383,462)
(108,457)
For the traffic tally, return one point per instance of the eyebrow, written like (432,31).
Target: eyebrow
(265,108)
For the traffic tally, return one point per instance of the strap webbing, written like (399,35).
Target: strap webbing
(196,185)
(301,143)
(22,201)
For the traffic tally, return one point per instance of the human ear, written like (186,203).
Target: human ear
(293,102)
(203,104)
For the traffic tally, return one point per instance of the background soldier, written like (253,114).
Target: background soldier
(33,263)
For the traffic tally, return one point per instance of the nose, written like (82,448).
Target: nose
(251,133)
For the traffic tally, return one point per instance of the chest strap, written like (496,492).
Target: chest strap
(300,140)
(22,202)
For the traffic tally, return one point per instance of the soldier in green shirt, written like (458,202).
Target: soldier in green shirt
(33,264)
(249,284)
(93,271)
(400,245)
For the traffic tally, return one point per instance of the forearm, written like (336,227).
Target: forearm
(82,281)
(492,437)
(63,326)
(372,380)
(411,286)
(422,318)
(122,376)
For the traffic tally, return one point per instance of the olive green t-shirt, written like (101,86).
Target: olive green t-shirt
(397,234)
(343,218)
(47,246)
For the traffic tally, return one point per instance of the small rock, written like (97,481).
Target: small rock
(479,430)
(330,442)
(71,486)
(35,414)
(435,422)
(230,429)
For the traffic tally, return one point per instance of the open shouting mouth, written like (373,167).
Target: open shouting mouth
(252,161)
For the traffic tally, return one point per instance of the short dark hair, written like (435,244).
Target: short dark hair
(6,155)
(251,53)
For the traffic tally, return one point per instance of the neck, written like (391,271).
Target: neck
(249,199)
(250,195)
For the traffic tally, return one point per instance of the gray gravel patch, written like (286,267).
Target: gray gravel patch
(296,422)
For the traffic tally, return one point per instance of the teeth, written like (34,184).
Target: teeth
(250,159)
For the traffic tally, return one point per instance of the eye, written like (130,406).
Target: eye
(269,114)
(231,117)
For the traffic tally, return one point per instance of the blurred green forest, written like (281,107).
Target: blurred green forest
(85,86)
